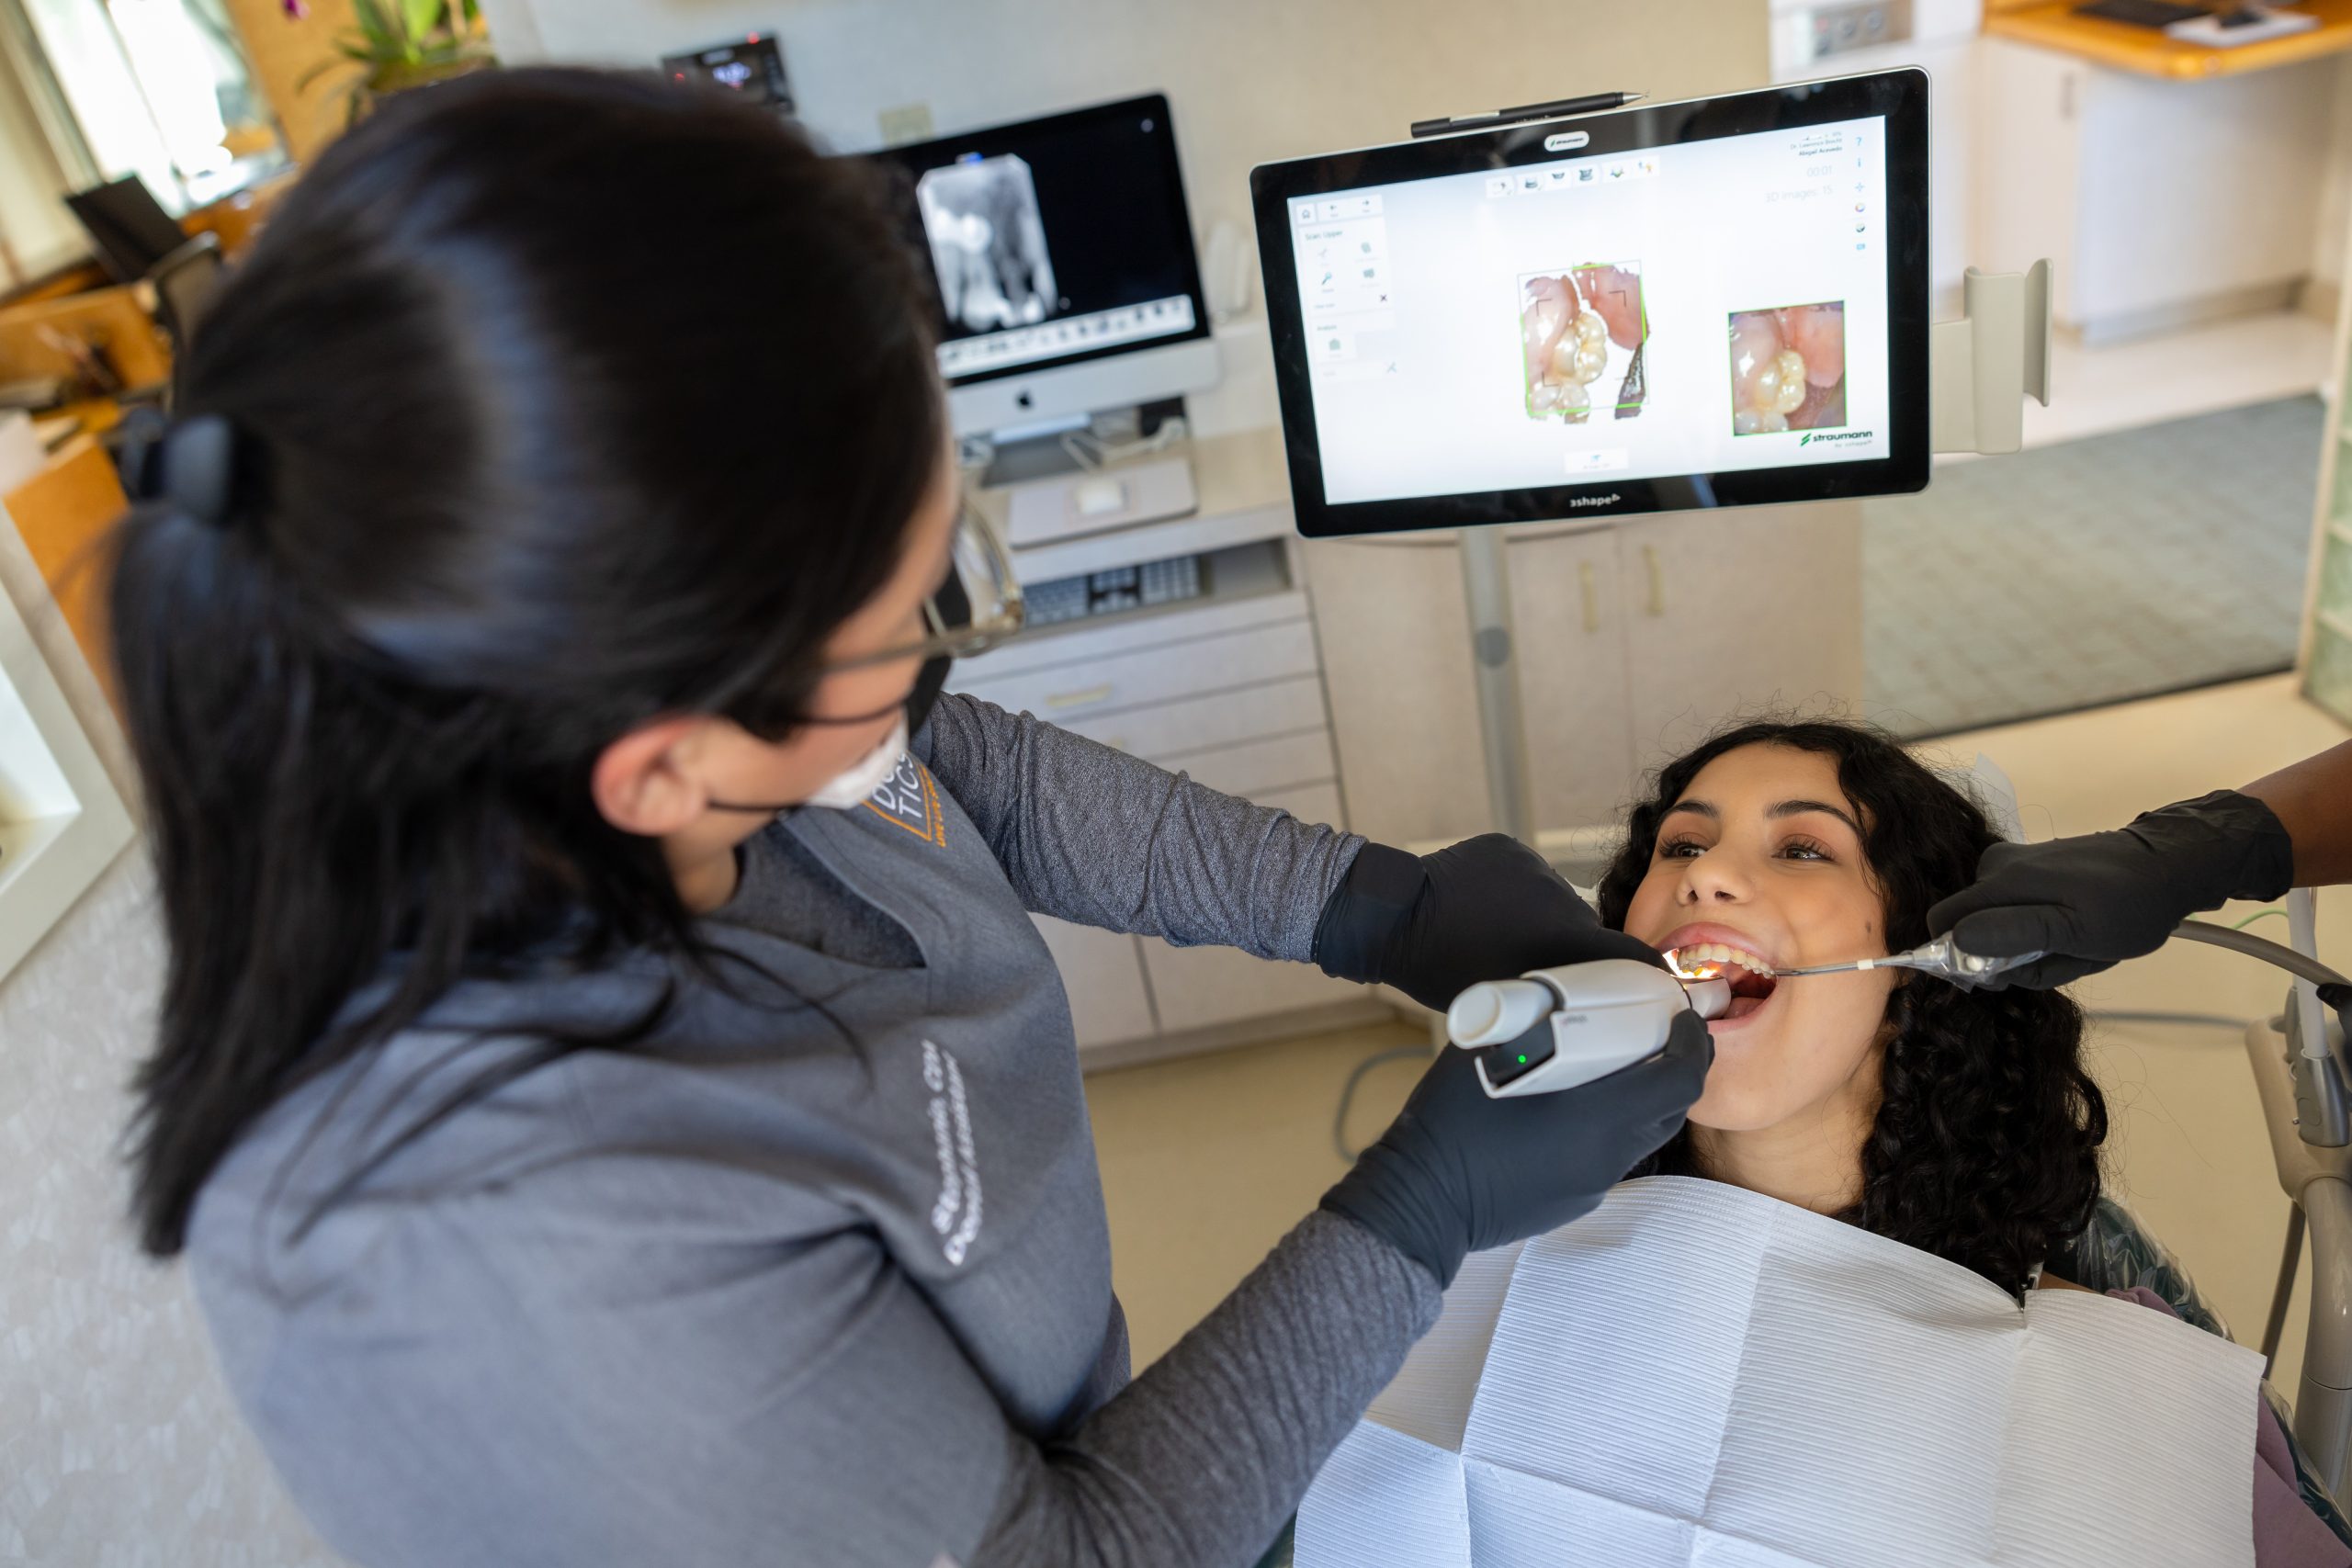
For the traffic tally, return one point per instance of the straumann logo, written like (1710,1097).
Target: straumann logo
(1811,436)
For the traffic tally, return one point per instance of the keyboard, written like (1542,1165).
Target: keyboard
(1142,587)
(2141,13)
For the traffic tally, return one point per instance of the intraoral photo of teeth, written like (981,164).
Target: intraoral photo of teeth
(1788,368)
(1581,334)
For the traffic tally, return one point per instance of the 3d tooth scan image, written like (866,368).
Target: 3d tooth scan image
(1582,330)
(1788,368)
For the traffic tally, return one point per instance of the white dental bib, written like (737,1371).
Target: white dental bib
(1695,1374)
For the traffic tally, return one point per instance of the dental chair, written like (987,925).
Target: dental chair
(2307,1107)
(2299,1071)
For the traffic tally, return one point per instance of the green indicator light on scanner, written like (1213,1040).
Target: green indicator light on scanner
(1522,1061)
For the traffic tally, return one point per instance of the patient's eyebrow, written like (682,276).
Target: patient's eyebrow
(1699,807)
(1799,808)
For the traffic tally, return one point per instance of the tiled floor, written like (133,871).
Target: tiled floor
(1207,1161)
(2090,571)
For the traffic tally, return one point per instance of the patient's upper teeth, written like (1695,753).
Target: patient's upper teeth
(1723,952)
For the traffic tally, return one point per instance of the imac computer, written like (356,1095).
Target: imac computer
(1063,252)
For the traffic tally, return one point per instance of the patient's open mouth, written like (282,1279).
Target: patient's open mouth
(1751,978)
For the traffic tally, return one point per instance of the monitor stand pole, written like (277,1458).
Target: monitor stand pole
(1502,722)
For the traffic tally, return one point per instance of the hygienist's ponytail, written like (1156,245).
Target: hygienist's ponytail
(549,402)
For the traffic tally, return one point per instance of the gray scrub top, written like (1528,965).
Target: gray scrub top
(817,1271)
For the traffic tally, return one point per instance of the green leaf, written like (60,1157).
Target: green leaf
(388,38)
(421,16)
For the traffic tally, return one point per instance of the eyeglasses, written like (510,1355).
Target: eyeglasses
(976,608)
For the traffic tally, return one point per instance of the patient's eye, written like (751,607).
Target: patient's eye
(1685,847)
(1805,849)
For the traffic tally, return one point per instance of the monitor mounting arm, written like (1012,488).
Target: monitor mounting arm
(1981,367)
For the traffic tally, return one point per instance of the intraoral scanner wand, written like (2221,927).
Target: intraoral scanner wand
(1553,1029)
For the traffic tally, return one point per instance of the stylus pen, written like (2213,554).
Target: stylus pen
(1592,105)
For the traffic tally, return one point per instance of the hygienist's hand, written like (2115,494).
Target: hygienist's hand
(1459,1172)
(2097,899)
(1433,926)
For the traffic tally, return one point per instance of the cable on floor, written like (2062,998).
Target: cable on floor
(1348,1092)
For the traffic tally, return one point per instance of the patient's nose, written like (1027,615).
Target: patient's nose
(1713,879)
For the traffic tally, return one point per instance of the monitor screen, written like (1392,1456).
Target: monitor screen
(752,66)
(1055,241)
(127,226)
(1696,304)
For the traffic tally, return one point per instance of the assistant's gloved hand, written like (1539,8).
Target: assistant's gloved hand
(2100,898)
(1459,1172)
(1432,926)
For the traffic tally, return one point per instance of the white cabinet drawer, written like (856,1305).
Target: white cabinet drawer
(1314,803)
(1225,718)
(1199,986)
(1103,973)
(1260,767)
(1066,644)
(1153,675)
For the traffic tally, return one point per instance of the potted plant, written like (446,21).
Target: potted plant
(400,44)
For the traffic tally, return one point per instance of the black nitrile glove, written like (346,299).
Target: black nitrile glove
(1433,926)
(1459,1173)
(2103,898)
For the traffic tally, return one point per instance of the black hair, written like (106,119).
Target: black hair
(1984,1148)
(561,399)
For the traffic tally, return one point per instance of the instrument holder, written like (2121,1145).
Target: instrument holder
(1981,367)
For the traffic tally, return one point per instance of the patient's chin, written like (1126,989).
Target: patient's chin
(1739,1107)
(1756,1082)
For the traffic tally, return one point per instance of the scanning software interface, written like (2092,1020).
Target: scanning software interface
(1694,309)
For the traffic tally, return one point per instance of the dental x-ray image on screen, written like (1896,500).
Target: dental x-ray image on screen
(988,242)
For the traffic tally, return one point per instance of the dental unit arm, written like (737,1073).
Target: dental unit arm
(1554,1029)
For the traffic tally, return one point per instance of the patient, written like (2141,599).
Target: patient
(1960,1122)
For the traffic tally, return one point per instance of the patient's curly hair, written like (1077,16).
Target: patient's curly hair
(1985,1147)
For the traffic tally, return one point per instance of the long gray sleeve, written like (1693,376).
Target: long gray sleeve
(1104,839)
(1198,1462)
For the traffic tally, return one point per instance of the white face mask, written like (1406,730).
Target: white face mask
(853,786)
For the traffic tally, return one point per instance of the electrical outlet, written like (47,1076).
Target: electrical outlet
(1838,28)
(907,122)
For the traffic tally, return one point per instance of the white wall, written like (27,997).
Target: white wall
(34,221)
(2334,196)
(1248,80)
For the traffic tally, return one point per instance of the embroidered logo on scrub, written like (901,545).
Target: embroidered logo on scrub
(911,799)
(956,1215)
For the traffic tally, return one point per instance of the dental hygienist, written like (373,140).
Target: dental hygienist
(610,1093)
(2097,899)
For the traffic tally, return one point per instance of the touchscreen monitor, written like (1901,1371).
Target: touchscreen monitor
(1715,302)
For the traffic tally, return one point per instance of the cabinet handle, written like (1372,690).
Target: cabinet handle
(1079,699)
(1656,605)
(1591,599)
